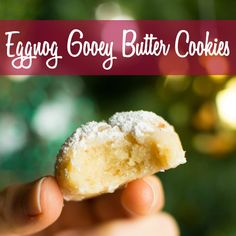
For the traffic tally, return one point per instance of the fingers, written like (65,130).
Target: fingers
(143,197)
(108,207)
(140,197)
(160,224)
(26,209)
(74,214)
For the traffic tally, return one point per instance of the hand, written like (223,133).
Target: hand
(38,207)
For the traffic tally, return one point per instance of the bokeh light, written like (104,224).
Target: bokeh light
(18,78)
(226,104)
(111,11)
(13,134)
(51,120)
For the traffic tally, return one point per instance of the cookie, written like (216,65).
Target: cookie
(100,157)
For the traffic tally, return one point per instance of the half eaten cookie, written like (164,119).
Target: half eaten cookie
(99,157)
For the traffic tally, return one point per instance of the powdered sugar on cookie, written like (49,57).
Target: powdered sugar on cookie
(135,122)
(138,122)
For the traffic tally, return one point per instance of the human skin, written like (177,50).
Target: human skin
(38,209)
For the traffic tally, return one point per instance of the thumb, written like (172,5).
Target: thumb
(26,209)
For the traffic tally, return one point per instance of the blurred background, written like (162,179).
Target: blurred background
(38,113)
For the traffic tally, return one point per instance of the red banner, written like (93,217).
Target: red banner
(117,47)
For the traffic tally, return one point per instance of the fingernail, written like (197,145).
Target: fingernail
(149,182)
(33,204)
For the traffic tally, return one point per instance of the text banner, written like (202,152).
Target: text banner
(117,47)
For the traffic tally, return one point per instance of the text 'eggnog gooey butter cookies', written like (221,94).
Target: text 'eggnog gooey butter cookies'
(99,157)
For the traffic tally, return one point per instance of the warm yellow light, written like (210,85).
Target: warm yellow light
(226,104)
(177,82)
(218,78)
